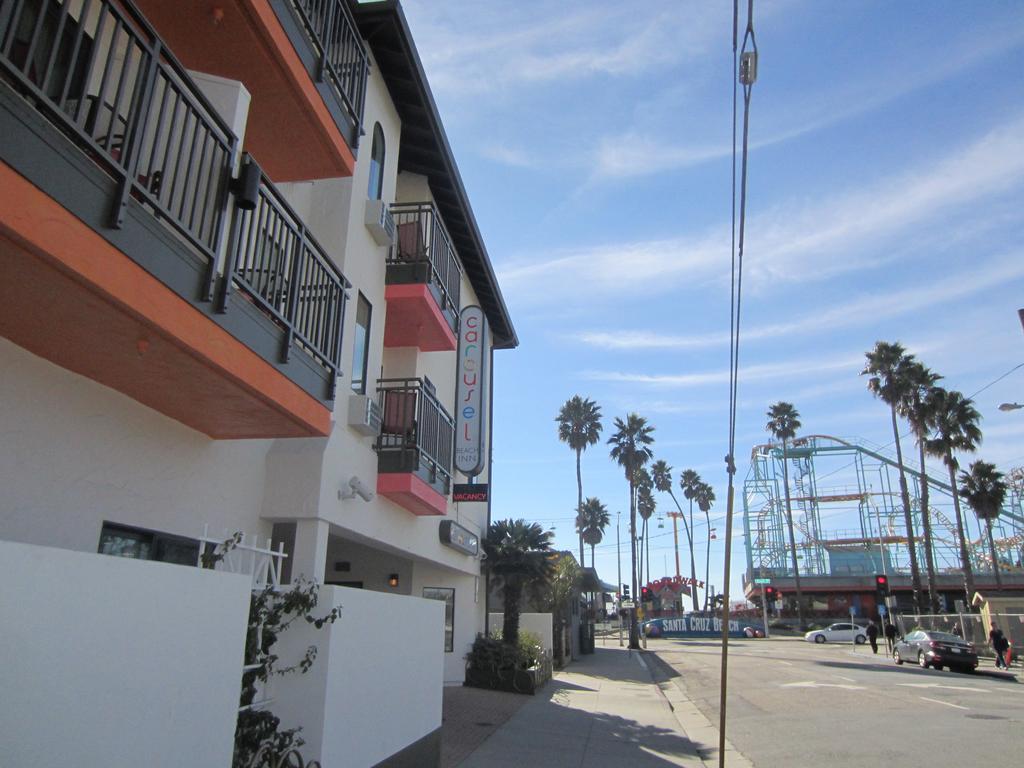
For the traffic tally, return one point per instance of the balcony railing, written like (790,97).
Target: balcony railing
(278,263)
(101,75)
(343,62)
(424,248)
(416,428)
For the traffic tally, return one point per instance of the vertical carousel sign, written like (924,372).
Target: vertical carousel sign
(472,376)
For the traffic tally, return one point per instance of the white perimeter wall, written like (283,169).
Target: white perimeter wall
(540,624)
(116,662)
(376,684)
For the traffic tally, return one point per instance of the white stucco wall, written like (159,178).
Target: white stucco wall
(110,661)
(540,624)
(375,687)
(74,453)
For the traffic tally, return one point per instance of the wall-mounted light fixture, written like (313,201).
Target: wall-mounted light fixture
(393,580)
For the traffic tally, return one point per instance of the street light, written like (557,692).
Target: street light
(1010,406)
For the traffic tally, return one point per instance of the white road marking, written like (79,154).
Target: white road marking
(847,679)
(945,687)
(815,684)
(945,703)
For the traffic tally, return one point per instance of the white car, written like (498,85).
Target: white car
(838,633)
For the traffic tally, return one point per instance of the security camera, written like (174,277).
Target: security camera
(354,487)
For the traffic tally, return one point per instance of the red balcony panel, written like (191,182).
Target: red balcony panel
(72,298)
(290,130)
(415,320)
(409,491)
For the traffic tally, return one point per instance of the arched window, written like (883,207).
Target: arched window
(376,186)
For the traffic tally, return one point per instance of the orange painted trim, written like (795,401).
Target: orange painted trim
(295,71)
(409,491)
(40,224)
(417,292)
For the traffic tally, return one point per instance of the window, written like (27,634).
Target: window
(448,597)
(361,345)
(140,544)
(376,185)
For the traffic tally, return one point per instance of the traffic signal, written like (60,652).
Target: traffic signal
(882,585)
(770,594)
(625,591)
(645,594)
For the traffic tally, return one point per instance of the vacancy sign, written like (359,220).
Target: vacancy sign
(469,412)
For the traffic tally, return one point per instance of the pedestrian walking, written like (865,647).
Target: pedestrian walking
(999,644)
(890,635)
(872,631)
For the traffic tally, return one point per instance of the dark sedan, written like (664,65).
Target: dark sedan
(936,649)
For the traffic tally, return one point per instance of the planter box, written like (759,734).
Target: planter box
(510,680)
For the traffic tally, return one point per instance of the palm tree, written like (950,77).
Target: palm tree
(630,449)
(887,365)
(518,555)
(645,506)
(955,428)
(690,482)
(661,473)
(594,519)
(985,490)
(579,425)
(783,422)
(705,498)
(918,408)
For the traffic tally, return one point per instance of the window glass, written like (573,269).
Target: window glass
(140,544)
(361,345)
(448,597)
(376,184)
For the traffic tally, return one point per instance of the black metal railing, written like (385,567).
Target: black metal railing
(99,71)
(342,58)
(421,238)
(278,263)
(413,421)
(100,74)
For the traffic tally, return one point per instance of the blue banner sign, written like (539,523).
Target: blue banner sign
(692,626)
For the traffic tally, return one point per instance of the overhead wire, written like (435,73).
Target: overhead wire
(745,73)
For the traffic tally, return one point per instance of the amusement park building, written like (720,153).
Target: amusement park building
(849,526)
(242,283)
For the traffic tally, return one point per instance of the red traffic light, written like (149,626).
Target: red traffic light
(882,581)
(769,593)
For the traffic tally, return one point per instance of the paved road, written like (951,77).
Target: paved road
(793,703)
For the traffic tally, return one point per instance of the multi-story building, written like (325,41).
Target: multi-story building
(242,283)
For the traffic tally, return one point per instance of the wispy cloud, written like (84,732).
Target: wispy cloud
(637,152)
(748,373)
(524,44)
(786,243)
(861,311)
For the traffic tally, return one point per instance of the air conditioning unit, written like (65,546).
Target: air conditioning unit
(364,415)
(380,222)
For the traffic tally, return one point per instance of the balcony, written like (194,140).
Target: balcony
(424,278)
(131,256)
(414,448)
(304,63)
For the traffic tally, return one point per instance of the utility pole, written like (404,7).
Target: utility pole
(618,560)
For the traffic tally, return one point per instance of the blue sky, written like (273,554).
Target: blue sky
(885,191)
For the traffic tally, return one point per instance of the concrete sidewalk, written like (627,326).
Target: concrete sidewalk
(611,708)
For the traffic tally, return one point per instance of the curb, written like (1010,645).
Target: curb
(692,721)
